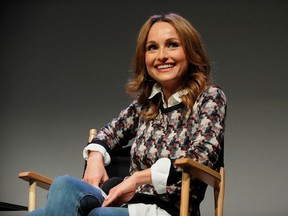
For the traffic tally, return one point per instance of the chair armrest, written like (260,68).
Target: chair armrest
(200,171)
(41,180)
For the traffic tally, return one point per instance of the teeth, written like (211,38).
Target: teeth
(165,66)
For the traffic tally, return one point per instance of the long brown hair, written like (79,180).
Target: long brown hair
(197,77)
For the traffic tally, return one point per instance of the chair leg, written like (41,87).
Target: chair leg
(216,198)
(32,196)
(219,195)
(185,192)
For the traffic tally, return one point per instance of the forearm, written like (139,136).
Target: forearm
(142,177)
(95,172)
(96,148)
(95,156)
(157,175)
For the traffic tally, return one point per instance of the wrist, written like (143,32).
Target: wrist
(142,177)
(95,156)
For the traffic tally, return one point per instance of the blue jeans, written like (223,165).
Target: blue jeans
(71,196)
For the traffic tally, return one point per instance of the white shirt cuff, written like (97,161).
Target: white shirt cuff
(141,209)
(98,148)
(159,174)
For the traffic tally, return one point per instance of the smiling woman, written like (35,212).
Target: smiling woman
(165,58)
(184,43)
(177,113)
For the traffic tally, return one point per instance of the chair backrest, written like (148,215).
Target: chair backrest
(92,134)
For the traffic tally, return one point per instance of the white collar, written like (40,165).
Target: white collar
(173,100)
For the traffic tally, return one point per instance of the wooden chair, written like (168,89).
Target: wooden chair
(205,174)
(190,167)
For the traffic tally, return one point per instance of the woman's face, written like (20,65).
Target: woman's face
(165,57)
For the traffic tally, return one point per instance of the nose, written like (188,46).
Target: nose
(162,55)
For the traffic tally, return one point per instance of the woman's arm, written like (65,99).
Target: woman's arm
(117,133)
(95,172)
(120,130)
(209,113)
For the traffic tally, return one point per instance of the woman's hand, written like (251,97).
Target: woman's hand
(95,172)
(121,193)
(125,191)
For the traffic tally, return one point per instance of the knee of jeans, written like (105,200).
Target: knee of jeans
(62,183)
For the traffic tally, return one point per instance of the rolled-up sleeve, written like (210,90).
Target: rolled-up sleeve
(98,148)
(159,174)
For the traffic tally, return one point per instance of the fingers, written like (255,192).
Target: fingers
(93,183)
(106,202)
(111,198)
(91,178)
(95,172)
(119,194)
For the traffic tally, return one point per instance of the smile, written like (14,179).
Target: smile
(164,66)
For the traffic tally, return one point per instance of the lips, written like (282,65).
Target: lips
(164,66)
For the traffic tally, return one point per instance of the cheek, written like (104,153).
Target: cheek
(148,61)
(181,56)
(186,63)
(183,60)
(147,65)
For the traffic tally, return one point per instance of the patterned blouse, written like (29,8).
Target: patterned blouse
(176,132)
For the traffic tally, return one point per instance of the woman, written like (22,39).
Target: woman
(177,113)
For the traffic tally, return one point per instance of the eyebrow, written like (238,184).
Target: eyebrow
(169,39)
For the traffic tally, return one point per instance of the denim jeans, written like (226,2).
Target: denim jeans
(71,196)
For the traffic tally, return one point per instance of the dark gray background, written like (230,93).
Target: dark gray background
(63,66)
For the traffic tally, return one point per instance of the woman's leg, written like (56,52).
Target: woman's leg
(72,197)
(109,211)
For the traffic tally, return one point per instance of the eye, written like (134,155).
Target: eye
(151,47)
(173,45)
